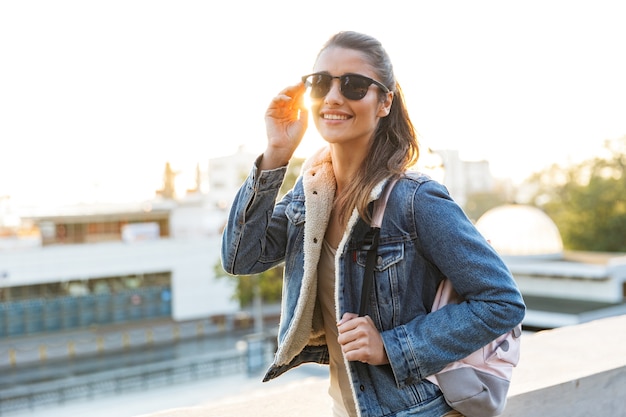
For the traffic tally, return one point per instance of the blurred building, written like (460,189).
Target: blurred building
(100,264)
(461,177)
(110,264)
(226,174)
(560,287)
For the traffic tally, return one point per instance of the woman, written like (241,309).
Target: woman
(378,363)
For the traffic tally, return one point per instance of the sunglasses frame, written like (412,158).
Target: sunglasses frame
(341,79)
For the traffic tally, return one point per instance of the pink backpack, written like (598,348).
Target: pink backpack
(477,385)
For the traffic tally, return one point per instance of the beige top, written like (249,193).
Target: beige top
(340,389)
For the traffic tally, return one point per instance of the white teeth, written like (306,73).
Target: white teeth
(335,117)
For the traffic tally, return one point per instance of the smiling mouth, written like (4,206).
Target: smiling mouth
(334,117)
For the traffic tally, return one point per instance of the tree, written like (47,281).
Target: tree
(587,200)
(479,203)
(270,285)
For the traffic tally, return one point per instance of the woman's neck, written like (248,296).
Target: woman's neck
(346,163)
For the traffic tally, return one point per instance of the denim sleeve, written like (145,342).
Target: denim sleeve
(254,236)
(493,304)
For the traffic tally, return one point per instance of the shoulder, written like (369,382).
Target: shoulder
(421,195)
(416,182)
(417,176)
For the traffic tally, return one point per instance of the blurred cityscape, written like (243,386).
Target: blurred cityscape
(102,299)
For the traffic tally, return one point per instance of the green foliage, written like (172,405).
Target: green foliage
(270,284)
(479,203)
(587,201)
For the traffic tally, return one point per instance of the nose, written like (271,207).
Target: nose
(334,94)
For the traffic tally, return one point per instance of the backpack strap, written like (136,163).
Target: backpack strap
(370,244)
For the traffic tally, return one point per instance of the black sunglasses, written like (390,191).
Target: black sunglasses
(352,86)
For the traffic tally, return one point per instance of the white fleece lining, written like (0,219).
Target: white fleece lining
(319,190)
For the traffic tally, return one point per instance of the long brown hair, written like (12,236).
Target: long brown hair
(395,147)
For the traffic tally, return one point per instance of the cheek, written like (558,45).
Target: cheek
(369,110)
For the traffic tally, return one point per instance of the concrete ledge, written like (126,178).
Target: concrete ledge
(577,371)
(306,398)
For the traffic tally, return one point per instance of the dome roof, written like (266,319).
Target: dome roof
(521,230)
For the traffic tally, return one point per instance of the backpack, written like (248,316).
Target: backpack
(477,385)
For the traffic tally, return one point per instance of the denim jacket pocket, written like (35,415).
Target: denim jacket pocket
(387,283)
(387,256)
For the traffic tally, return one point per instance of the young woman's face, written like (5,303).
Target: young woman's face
(340,120)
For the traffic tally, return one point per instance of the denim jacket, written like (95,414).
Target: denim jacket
(424,237)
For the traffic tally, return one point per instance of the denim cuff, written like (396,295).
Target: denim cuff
(401,357)
(268,179)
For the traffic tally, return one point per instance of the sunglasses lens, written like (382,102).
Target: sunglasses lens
(354,87)
(320,85)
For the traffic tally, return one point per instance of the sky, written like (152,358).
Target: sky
(96,96)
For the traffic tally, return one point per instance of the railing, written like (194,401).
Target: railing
(575,371)
(113,340)
(132,378)
(162,354)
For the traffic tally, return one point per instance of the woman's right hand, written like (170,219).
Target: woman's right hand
(286,121)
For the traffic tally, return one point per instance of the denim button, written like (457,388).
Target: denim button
(362,388)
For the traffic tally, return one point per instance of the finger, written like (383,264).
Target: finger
(346,318)
(294,91)
(291,94)
(350,349)
(354,334)
(355,352)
